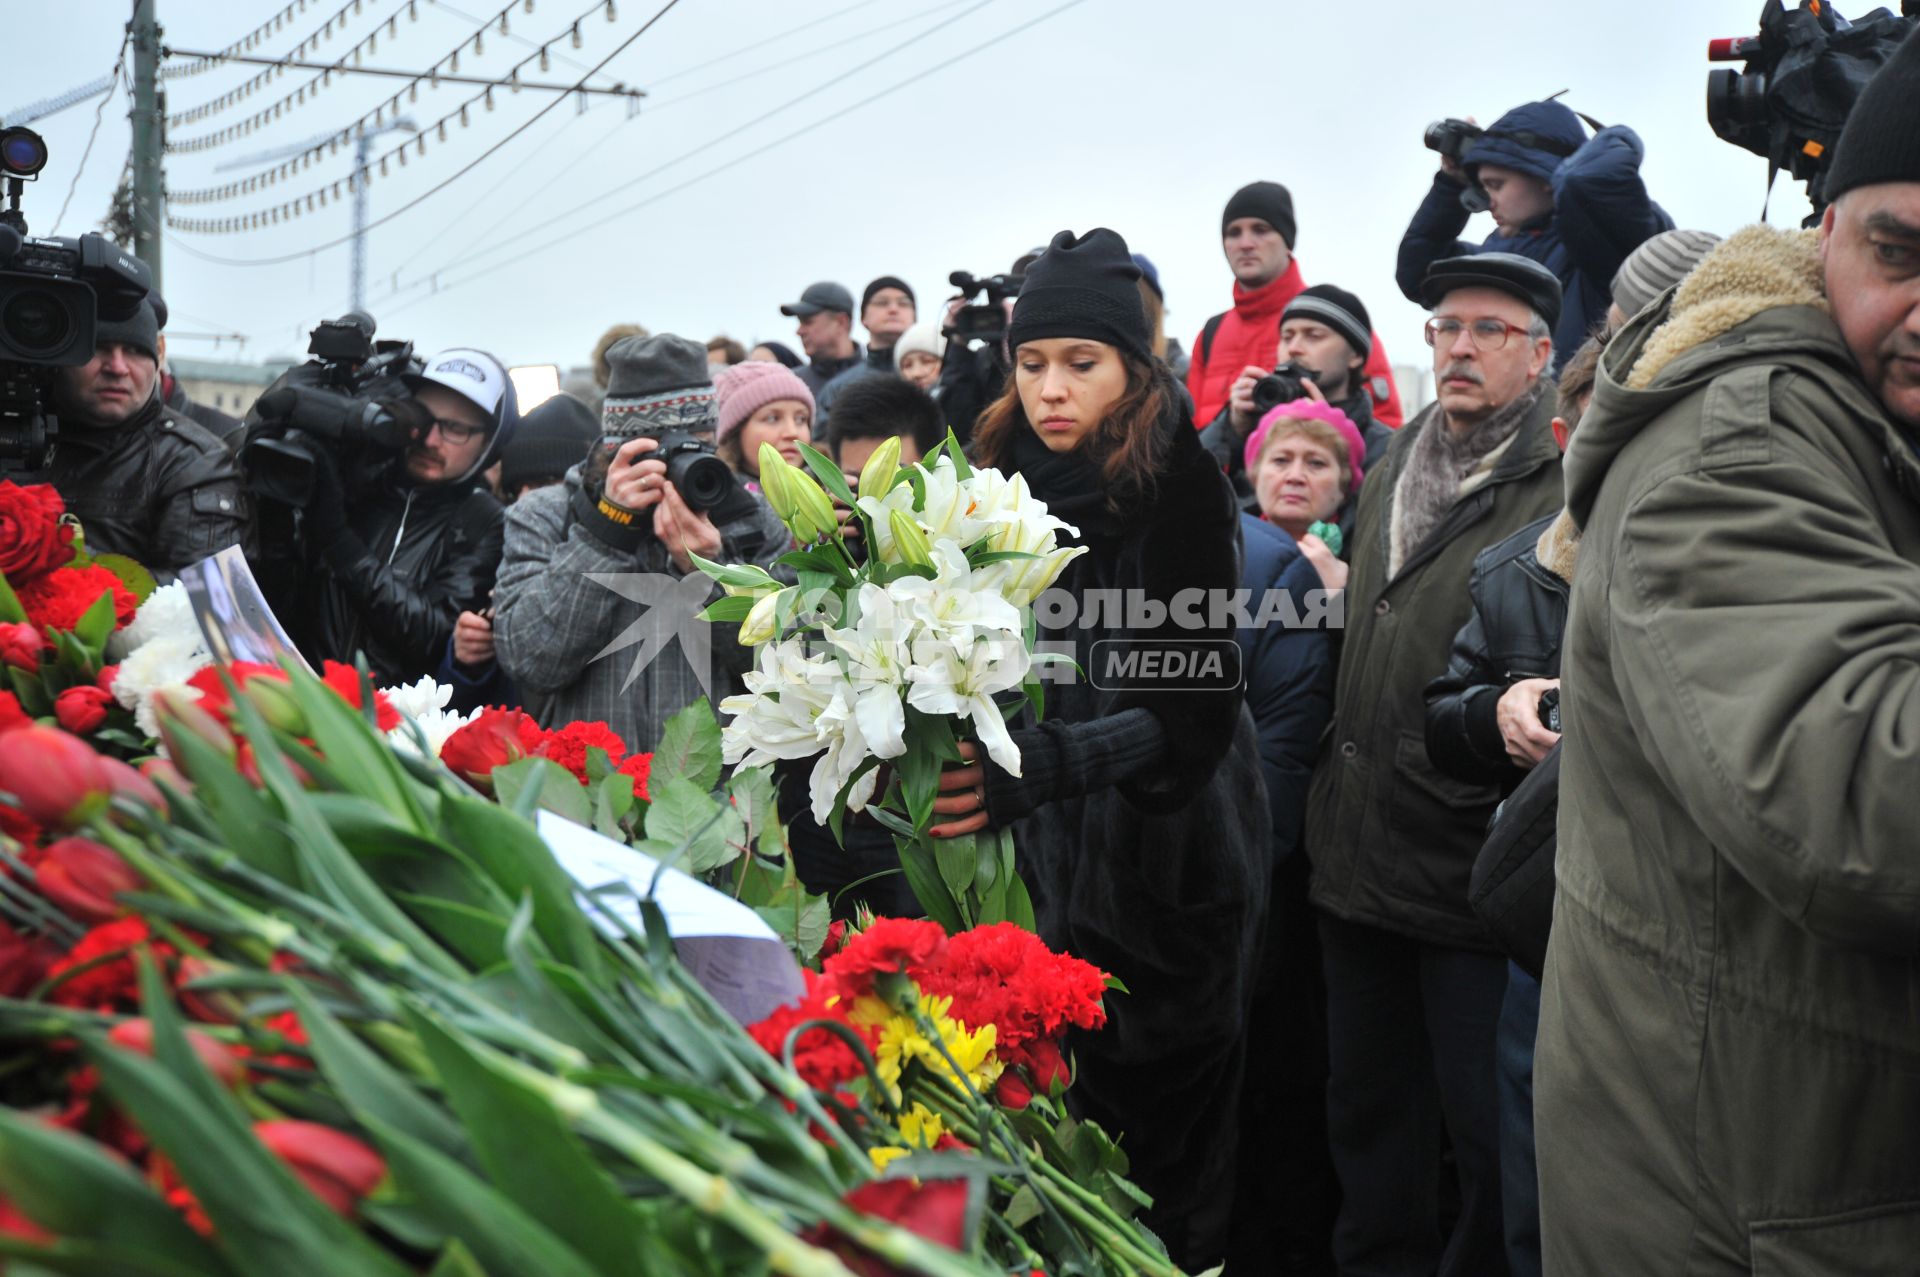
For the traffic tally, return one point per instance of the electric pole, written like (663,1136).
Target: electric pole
(149,214)
(361,147)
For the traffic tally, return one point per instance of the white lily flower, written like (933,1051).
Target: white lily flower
(960,603)
(963,684)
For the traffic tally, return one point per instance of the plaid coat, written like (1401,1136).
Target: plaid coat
(590,630)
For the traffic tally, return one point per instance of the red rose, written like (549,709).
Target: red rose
(636,766)
(337,1167)
(11,715)
(81,710)
(21,646)
(1012,1091)
(494,738)
(83,877)
(59,599)
(55,779)
(33,541)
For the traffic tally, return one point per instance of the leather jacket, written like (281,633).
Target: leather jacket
(158,488)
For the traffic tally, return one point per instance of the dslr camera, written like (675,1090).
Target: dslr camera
(984,320)
(1803,73)
(1284,384)
(348,400)
(52,293)
(694,469)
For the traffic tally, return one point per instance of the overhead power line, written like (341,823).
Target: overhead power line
(525,251)
(248,41)
(341,17)
(113,78)
(442,185)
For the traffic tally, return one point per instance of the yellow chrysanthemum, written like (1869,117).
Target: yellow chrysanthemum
(901,1042)
(920,1127)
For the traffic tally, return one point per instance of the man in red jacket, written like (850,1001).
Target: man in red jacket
(1256,232)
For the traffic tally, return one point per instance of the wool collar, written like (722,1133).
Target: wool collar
(1442,467)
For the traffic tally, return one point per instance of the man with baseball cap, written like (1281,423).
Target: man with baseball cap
(144,481)
(825,312)
(1414,981)
(394,555)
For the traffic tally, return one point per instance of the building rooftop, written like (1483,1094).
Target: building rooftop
(223,370)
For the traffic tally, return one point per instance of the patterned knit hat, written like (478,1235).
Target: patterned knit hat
(744,389)
(1657,265)
(657,384)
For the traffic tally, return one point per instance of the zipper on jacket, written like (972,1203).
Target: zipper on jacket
(406,508)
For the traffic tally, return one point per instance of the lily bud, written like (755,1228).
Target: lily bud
(337,1167)
(773,482)
(219,1060)
(180,716)
(762,623)
(909,541)
(54,778)
(882,468)
(82,877)
(813,513)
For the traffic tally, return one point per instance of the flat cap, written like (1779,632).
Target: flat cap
(1510,273)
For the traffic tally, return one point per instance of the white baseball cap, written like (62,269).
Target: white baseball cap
(471,374)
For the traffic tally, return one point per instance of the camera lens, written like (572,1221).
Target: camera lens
(36,323)
(22,152)
(702,479)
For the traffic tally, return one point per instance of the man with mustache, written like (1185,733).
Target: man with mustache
(1728,1034)
(144,481)
(1414,981)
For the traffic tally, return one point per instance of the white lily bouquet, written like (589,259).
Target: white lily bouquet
(895,656)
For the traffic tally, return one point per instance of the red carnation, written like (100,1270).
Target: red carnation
(1006,976)
(81,710)
(636,766)
(33,541)
(889,945)
(345,680)
(493,739)
(822,1058)
(568,746)
(136,1035)
(21,646)
(114,984)
(59,599)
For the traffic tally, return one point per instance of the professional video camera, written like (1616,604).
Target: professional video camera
(982,321)
(349,399)
(52,293)
(1804,72)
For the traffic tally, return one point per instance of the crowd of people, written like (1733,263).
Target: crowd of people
(1415,982)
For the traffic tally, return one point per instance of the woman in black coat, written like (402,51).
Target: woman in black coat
(1142,821)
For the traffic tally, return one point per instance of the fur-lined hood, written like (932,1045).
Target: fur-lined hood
(1758,297)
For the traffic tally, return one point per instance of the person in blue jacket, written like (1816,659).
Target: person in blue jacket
(1284,1209)
(1573,203)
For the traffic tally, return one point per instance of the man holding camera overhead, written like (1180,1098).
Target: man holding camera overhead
(395,547)
(1575,204)
(593,613)
(143,480)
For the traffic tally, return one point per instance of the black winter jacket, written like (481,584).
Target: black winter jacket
(1146,835)
(1289,675)
(157,488)
(413,559)
(1519,617)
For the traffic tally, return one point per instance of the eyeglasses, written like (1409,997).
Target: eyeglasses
(452,431)
(1488,334)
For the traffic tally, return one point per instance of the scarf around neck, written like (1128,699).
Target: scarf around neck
(1439,469)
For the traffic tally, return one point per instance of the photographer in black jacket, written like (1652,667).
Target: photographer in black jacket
(389,552)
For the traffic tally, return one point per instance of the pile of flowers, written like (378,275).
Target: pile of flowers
(894,656)
(495,737)
(327,1010)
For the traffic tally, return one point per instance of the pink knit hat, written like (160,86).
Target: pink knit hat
(1310,410)
(746,388)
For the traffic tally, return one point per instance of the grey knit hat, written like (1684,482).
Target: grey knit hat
(1658,265)
(657,384)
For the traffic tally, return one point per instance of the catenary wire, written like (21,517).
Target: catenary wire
(119,66)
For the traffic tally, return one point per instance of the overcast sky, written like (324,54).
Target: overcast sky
(1143,116)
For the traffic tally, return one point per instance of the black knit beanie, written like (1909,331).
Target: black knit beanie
(1271,202)
(1339,310)
(1085,287)
(1881,142)
(552,439)
(886,281)
(141,331)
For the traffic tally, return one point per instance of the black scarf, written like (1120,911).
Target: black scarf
(1071,483)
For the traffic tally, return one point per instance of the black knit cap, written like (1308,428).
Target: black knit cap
(141,331)
(1339,310)
(551,439)
(1881,142)
(886,281)
(1084,287)
(1271,202)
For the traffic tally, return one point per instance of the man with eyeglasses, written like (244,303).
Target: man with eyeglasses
(1414,981)
(1573,203)
(393,558)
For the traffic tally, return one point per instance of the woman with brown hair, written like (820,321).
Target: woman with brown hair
(1143,831)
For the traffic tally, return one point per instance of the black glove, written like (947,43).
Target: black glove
(325,518)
